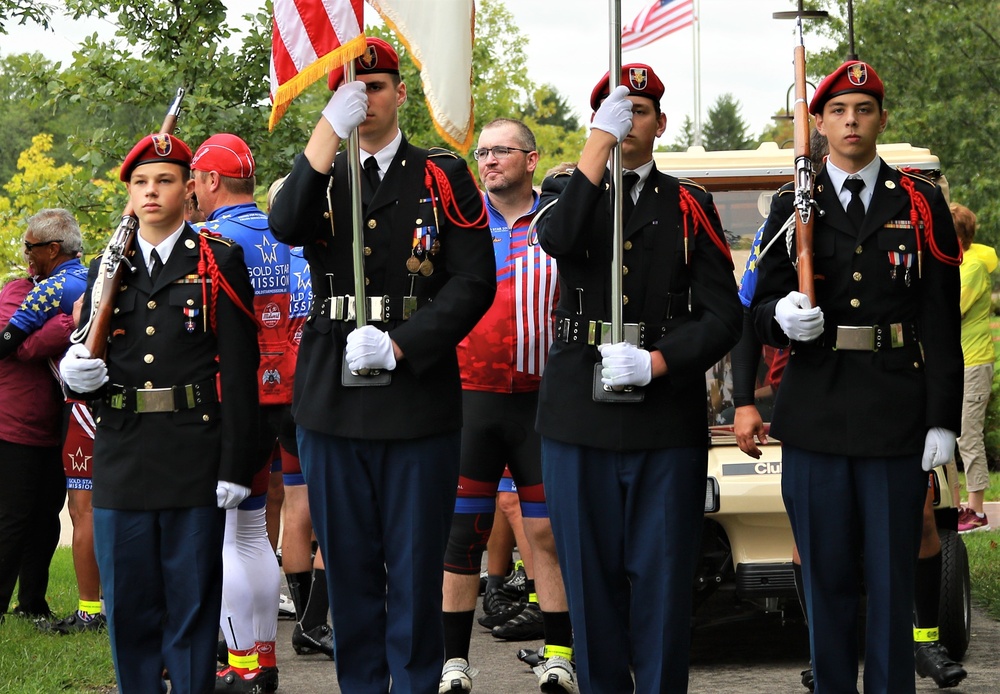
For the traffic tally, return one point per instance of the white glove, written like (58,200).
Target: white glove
(230,494)
(798,318)
(80,371)
(347,108)
(370,348)
(614,114)
(624,364)
(939,446)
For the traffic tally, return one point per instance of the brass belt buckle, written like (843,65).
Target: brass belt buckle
(154,400)
(631,333)
(859,338)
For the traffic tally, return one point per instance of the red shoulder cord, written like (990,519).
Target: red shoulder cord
(433,174)
(920,211)
(207,267)
(690,209)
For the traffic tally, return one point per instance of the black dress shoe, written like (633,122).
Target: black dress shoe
(319,639)
(807,680)
(932,661)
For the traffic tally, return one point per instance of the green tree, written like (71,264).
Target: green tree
(725,128)
(781,130)
(685,139)
(938,61)
(24,11)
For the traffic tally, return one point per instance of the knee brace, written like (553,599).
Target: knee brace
(470,531)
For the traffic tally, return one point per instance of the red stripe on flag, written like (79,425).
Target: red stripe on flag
(656,21)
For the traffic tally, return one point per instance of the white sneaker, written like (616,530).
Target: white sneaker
(456,676)
(555,676)
(286,608)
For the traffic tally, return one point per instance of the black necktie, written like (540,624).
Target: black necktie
(155,265)
(629,179)
(369,181)
(855,208)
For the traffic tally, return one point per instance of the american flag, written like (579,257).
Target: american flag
(661,18)
(309,39)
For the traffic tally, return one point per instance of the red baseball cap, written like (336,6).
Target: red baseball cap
(379,56)
(226,154)
(159,147)
(852,76)
(638,77)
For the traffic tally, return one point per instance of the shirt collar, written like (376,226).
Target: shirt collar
(163,249)
(385,155)
(869,174)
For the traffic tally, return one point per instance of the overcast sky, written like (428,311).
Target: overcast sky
(743,52)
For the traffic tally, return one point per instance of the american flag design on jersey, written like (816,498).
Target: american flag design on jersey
(506,351)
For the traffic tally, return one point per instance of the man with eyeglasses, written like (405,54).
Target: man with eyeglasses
(501,362)
(52,246)
(381,461)
(33,488)
(631,474)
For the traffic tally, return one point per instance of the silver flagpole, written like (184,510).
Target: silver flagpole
(617,330)
(363,377)
(696,47)
(603,393)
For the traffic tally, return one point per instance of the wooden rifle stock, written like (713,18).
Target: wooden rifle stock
(95,332)
(804,179)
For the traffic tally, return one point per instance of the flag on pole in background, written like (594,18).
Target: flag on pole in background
(660,19)
(439,38)
(310,38)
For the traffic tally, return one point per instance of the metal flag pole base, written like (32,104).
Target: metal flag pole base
(616,394)
(363,377)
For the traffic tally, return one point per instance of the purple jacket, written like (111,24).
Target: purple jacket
(26,377)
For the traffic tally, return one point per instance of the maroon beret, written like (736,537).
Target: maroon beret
(640,80)
(225,154)
(160,147)
(852,76)
(378,57)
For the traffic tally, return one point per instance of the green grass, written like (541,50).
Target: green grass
(32,662)
(984,569)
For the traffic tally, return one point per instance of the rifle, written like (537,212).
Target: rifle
(94,333)
(805,175)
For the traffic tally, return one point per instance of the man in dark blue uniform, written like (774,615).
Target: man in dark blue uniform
(873,385)
(381,461)
(176,397)
(626,480)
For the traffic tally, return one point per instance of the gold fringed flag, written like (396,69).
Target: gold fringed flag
(311,38)
(439,38)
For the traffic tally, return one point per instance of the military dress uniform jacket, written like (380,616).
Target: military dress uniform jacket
(158,339)
(424,396)
(868,403)
(659,285)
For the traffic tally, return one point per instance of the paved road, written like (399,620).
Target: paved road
(751,655)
